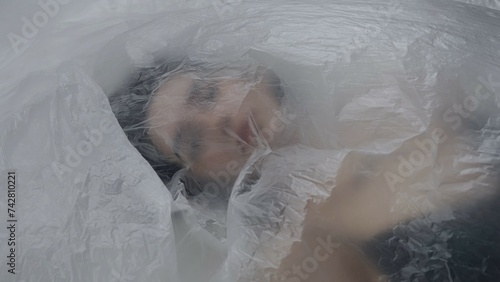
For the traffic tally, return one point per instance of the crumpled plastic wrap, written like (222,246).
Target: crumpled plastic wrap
(393,106)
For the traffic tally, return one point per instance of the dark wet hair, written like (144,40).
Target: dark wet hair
(466,248)
(130,104)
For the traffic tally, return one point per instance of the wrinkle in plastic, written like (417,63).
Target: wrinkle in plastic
(385,162)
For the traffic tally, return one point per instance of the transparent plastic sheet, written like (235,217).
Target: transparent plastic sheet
(492,4)
(391,166)
(87,207)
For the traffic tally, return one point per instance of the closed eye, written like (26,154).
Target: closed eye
(188,143)
(210,93)
(202,94)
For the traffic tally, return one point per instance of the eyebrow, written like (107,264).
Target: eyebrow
(191,97)
(188,135)
(197,95)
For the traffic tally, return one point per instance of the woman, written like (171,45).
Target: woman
(208,120)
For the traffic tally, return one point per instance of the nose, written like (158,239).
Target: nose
(225,135)
(214,117)
(212,128)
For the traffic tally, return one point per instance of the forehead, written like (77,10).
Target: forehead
(175,86)
(164,106)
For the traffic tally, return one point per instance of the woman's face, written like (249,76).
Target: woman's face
(212,125)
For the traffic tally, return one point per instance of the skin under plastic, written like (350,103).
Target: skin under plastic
(252,141)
